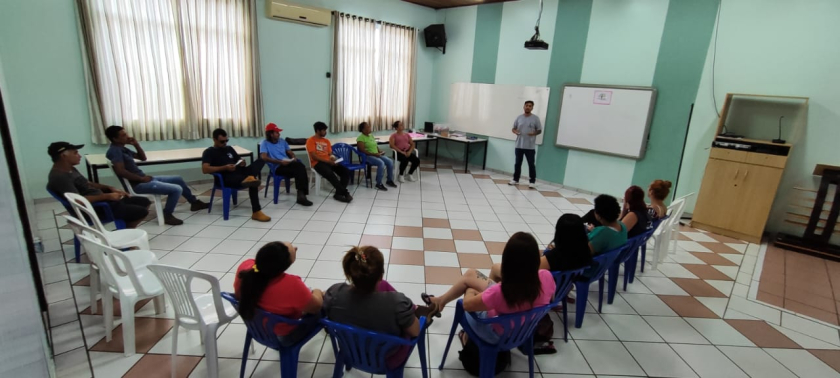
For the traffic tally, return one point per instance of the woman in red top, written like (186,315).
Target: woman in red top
(262,283)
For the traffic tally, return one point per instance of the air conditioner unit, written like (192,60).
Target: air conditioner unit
(285,11)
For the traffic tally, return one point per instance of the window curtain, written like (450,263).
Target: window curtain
(171,69)
(373,73)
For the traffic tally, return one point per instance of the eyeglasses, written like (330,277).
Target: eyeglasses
(223,141)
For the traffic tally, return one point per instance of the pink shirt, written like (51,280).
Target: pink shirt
(495,302)
(402,141)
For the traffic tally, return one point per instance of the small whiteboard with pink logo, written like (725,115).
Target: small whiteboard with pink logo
(613,120)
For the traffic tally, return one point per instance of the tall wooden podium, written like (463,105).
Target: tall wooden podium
(811,242)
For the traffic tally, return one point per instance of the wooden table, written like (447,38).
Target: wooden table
(95,162)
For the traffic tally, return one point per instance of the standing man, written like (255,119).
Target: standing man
(224,160)
(173,187)
(279,157)
(526,127)
(323,161)
(64,178)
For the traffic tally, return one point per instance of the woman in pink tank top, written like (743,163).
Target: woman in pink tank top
(402,143)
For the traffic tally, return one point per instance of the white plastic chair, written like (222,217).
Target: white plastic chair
(120,239)
(416,174)
(156,198)
(315,175)
(204,312)
(130,285)
(666,233)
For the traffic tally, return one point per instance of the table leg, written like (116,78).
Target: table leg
(484,162)
(437,141)
(427,148)
(467,158)
(90,175)
(96,174)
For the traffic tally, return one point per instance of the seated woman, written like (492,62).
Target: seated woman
(367,144)
(611,233)
(262,283)
(658,192)
(401,142)
(568,251)
(525,286)
(635,216)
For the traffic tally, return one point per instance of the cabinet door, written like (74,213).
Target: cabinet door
(717,200)
(757,189)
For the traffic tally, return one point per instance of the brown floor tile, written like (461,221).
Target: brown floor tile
(762,334)
(688,306)
(83,282)
(473,260)
(406,257)
(523,186)
(720,248)
(466,235)
(439,275)
(822,289)
(771,299)
(444,166)
(495,248)
(684,228)
(117,310)
(811,299)
(713,259)
(775,276)
(830,357)
(770,287)
(498,181)
(550,194)
(725,239)
(706,272)
(682,237)
(160,365)
(698,288)
(147,333)
(377,241)
(440,245)
(813,312)
(408,232)
(579,201)
(481,176)
(436,223)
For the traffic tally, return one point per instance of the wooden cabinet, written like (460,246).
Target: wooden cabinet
(737,193)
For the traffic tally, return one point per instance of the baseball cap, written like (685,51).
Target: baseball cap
(272,127)
(57,148)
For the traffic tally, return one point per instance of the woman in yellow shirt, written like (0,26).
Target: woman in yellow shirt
(367,145)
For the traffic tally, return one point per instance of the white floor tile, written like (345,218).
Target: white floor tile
(659,360)
(414,244)
(489,226)
(699,236)
(73,364)
(166,242)
(228,367)
(266,369)
(328,270)
(810,328)
(755,362)
(406,273)
(661,285)
(708,362)
(280,235)
(199,244)
(441,259)
(692,246)
(301,267)
(66,337)
(379,229)
(185,230)
(594,328)
(437,233)
(675,271)
(412,221)
(609,357)
(319,226)
(310,237)
(717,305)
(112,364)
(457,224)
(802,363)
(645,304)
(719,332)
(181,259)
(234,247)
(631,328)
(805,341)
(495,236)
(675,330)
(243,233)
(470,246)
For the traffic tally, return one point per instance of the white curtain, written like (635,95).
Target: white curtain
(373,73)
(172,69)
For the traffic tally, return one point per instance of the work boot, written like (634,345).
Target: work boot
(250,182)
(171,220)
(198,205)
(301,199)
(259,216)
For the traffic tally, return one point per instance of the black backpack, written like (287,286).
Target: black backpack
(542,337)
(471,358)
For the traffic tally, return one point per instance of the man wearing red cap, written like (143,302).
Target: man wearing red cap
(281,160)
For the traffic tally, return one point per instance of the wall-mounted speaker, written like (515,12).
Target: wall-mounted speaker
(435,36)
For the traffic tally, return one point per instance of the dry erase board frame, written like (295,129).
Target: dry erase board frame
(608,88)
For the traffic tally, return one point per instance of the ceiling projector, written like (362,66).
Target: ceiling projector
(536,43)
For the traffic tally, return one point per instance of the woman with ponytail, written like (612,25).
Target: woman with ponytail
(263,283)
(658,192)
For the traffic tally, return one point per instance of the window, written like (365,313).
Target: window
(171,70)
(374,74)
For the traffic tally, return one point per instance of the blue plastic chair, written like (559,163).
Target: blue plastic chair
(277,179)
(633,259)
(653,227)
(517,330)
(345,151)
(107,217)
(261,330)
(600,265)
(564,281)
(628,252)
(368,351)
(228,193)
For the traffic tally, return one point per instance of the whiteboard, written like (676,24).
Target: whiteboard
(612,120)
(490,109)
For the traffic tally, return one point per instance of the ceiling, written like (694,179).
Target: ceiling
(440,4)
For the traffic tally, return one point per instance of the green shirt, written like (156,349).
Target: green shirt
(605,239)
(370,143)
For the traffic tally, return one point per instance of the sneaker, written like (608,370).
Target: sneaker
(391,184)
(410,178)
(250,182)
(513,182)
(381,187)
(532,185)
(401,178)
(341,198)
(259,216)
(171,220)
(198,205)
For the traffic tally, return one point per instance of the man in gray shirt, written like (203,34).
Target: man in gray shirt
(526,127)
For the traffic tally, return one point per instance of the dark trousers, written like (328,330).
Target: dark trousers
(404,160)
(130,209)
(234,180)
(517,167)
(329,172)
(297,171)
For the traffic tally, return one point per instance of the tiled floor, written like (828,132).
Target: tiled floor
(690,318)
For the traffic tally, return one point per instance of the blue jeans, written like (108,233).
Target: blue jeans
(382,164)
(173,187)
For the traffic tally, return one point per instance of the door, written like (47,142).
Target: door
(719,193)
(758,185)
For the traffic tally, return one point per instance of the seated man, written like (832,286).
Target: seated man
(323,161)
(173,187)
(279,156)
(64,178)
(224,160)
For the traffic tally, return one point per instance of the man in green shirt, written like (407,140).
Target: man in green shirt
(366,143)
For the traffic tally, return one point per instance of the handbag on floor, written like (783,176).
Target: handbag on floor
(471,359)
